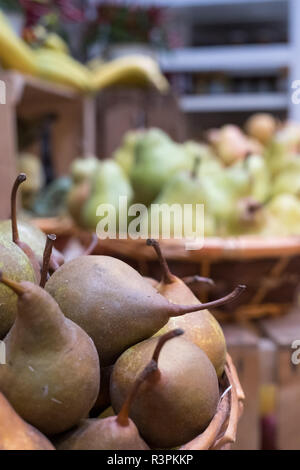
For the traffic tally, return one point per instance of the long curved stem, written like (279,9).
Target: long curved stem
(14,226)
(193,279)
(177,310)
(123,415)
(151,368)
(163,339)
(15,286)
(167,276)
(46,258)
(13,205)
(195,168)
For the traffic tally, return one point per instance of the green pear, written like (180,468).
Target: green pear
(83,168)
(29,234)
(282,216)
(210,164)
(223,189)
(157,158)
(288,180)
(17,265)
(260,177)
(30,238)
(282,148)
(184,188)
(82,173)
(124,155)
(109,184)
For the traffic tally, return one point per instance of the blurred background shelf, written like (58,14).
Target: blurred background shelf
(227,58)
(225,47)
(233,102)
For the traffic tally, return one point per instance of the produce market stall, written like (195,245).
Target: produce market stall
(120,136)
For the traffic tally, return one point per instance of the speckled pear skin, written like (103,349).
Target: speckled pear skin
(177,403)
(32,236)
(29,234)
(16,264)
(16,434)
(103,434)
(200,327)
(52,373)
(118,309)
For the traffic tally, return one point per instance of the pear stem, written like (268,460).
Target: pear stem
(15,286)
(167,276)
(151,367)
(92,246)
(191,279)
(177,310)
(46,258)
(162,340)
(196,165)
(14,225)
(123,416)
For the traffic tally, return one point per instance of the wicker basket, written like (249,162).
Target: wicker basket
(269,267)
(221,432)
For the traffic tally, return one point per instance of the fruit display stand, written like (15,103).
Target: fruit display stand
(33,99)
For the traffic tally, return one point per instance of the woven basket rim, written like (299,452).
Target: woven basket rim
(214,248)
(221,432)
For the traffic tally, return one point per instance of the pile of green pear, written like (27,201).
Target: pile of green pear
(97,356)
(248,180)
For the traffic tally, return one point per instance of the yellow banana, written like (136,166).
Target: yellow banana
(134,69)
(63,69)
(14,52)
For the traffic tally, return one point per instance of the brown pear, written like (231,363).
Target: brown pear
(16,434)
(151,281)
(119,308)
(51,376)
(103,400)
(200,327)
(110,433)
(177,401)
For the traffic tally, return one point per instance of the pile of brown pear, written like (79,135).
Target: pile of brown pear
(97,356)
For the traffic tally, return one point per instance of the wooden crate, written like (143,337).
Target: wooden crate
(286,378)
(242,345)
(73,132)
(121,109)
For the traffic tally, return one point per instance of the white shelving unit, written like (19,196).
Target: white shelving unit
(246,58)
(227,58)
(234,102)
